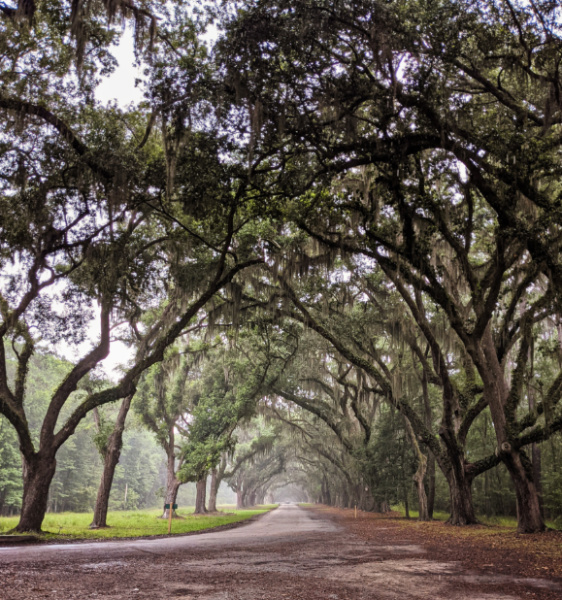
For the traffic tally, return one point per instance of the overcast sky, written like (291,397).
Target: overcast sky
(120,85)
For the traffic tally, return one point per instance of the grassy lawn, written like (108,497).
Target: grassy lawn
(134,523)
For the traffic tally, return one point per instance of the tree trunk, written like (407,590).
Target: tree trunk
(529,517)
(172,482)
(428,419)
(535,449)
(239,500)
(201,496)
(537,473)
(460,490)
(327,495)
(419,475)
(171,497)
(172,487)
(430,485)
(213,492)
(529,514)
(422,497)
(38,472)
(111,459)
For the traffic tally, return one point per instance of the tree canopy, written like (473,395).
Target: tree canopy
(358,201)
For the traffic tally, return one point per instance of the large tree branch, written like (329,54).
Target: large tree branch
(128,383)
(28,108)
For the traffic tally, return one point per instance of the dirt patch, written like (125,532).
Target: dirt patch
(491,548)
(484,555)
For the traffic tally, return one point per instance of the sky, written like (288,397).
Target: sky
(120,85)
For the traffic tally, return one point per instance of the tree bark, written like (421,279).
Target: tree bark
(537,473)
(430,485)
(422,497)
(38,472)
(419,475)
(239,499)
(535,449)
(529,516)
(201,496)
(428,420)
(460,491)
(171,497)
(172,484)
(213,491)
(111,459)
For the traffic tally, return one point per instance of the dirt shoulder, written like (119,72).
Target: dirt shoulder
(487,548)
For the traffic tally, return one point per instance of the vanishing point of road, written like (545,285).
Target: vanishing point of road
(290,553)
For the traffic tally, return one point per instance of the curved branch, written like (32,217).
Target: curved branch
(28,108)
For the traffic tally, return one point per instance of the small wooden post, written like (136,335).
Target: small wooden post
(171,508)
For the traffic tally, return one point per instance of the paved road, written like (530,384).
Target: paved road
(289,554)
(286,523)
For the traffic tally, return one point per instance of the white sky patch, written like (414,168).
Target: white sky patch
(120,357)
(120,85)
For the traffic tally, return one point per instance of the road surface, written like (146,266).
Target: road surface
(289,554)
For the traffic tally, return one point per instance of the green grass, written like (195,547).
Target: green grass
(136,523)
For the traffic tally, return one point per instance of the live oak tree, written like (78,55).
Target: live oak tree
(318,461)
(192,402)
(85,22)
(453,108)
(318,380)
(417,141)
(237,372)
(363,318)
(337,395)
(165,403)
(381,355)
(99,221)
